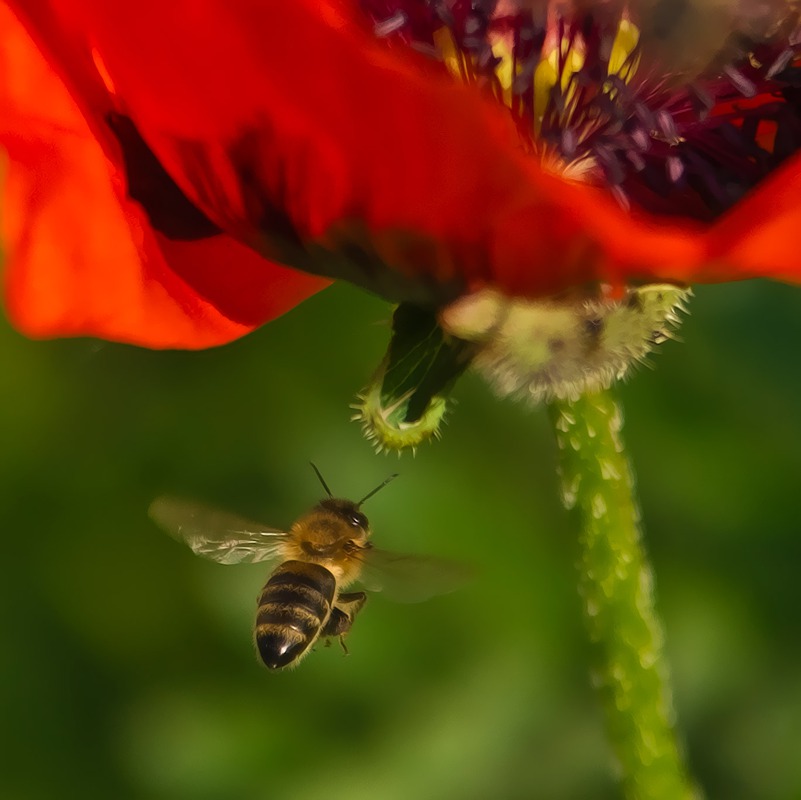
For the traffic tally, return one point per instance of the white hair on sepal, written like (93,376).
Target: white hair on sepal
(535,350)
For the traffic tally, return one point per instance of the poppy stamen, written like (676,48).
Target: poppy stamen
(593,104)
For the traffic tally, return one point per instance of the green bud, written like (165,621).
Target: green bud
(561,347)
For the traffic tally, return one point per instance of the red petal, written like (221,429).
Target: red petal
(759,237)
(81,258)
(294,129)
(294,115)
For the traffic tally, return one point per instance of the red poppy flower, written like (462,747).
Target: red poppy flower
(167,162)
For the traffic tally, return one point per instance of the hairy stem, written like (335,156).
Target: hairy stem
(616,583)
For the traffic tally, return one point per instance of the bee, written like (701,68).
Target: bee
(323,553)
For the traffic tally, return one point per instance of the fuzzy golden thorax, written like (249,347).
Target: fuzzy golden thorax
(332,534)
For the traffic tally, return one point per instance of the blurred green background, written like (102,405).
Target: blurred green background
(126,664)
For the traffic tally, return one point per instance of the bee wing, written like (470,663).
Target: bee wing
(222,537)
(411,579)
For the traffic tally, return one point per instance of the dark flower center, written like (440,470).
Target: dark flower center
(589,96)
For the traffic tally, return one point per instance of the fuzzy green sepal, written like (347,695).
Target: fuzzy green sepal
(406,401)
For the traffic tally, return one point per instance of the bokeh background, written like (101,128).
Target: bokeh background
(126,664)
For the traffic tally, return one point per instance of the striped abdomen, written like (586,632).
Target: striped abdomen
(293,608)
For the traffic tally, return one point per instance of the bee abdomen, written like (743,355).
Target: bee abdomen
(293,608)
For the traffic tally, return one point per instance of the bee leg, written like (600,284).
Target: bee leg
(342,616)
(351,603)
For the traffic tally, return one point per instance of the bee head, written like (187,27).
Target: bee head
(348,512)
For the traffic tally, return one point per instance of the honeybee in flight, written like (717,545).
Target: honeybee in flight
(324,552)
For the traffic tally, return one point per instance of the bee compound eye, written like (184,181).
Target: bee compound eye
(358,520)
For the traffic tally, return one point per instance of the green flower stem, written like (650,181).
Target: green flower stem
(617,587)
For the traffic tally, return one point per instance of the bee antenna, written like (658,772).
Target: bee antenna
(321,479)
(377,489)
